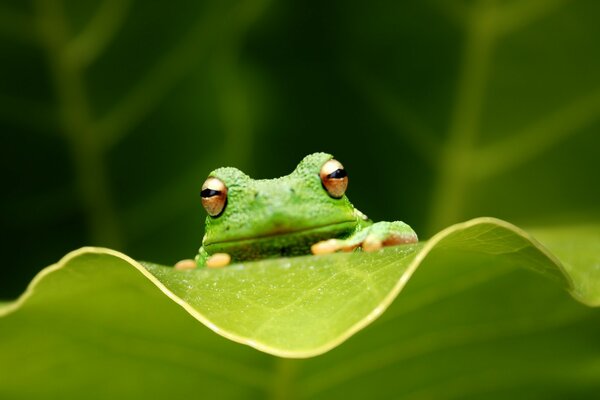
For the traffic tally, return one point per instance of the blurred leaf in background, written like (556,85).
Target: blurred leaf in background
(113,112)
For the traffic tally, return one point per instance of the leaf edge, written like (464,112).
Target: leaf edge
(421,255)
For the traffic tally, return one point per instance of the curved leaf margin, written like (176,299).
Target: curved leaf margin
(436,241)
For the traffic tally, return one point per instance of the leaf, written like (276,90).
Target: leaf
(577,246)
(101,309)
(492,106)
(304,306)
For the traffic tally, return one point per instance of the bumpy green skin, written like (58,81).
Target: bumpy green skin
(285,216)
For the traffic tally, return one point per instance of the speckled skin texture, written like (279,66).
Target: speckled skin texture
(278,217)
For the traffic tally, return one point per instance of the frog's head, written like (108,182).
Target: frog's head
(251,219)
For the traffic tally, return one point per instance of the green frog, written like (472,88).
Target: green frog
(304,212)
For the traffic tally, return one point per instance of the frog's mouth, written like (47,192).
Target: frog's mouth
(279,243)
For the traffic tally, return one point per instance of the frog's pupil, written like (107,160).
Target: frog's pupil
(338,174)
(209,193)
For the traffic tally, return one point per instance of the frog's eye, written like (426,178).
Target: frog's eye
(334,178)
(214,196)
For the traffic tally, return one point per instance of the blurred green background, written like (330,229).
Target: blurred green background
(113,112)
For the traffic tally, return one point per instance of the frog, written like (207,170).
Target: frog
(305,212)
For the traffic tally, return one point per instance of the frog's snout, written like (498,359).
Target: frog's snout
(276,206)
(275,198)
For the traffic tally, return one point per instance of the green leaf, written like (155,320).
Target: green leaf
(578,248)
(101,309)
(304,306)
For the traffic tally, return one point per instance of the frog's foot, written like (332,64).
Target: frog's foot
(218,260)
(185,265)
(370,238)
(382,234)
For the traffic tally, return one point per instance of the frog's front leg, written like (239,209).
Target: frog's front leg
(201,257)
(370,238)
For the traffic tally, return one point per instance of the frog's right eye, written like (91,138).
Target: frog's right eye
(214,196)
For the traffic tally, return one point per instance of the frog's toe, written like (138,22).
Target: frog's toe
(371,243)
(332,245)
(185,265)
(218,260)
(325,246)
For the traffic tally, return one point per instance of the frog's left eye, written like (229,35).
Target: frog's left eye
(214,196)
(334,178)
